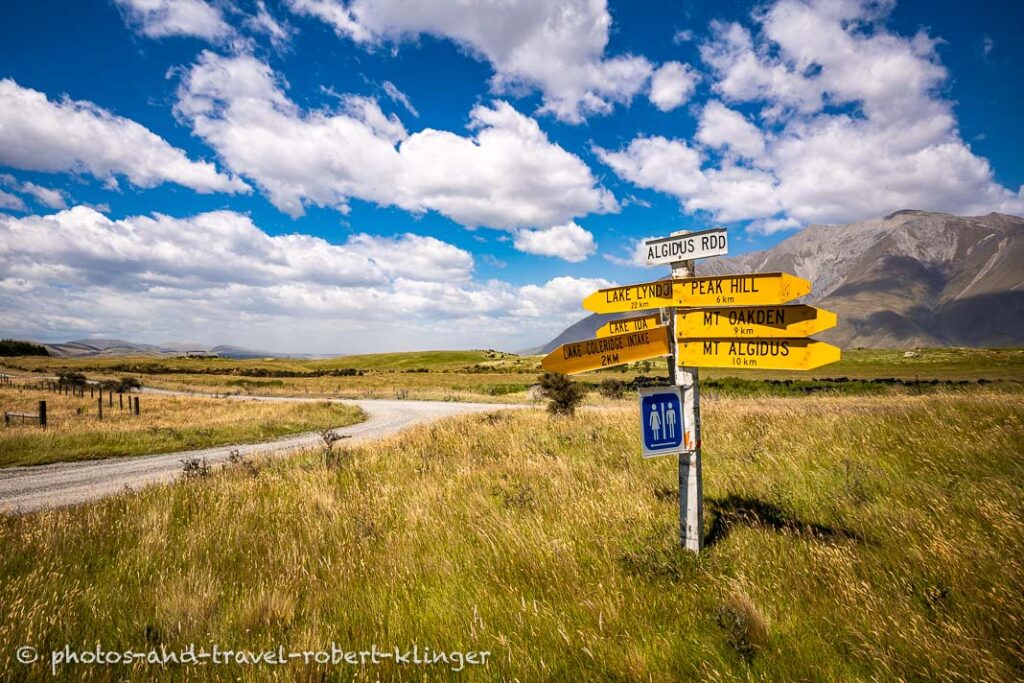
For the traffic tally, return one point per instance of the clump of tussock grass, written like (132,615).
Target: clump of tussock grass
(746,628)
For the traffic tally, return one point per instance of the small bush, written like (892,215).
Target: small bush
(194,468)
(563,394)
(612,388)
(71,379)
(331,437)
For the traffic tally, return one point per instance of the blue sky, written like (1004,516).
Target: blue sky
(459,175)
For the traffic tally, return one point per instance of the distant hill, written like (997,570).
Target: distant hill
(83,348)
(913,278)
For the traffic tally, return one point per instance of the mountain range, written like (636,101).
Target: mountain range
(911,279)
(120,347)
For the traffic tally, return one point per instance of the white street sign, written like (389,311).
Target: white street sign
(693,245)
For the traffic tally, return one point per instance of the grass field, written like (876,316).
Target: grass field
(850,538)
(437,361)
(434,386)
(498,377)
(165,424)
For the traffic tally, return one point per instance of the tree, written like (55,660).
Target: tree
(14,347)
(563,394)
(71,379)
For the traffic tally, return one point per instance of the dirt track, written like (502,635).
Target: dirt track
(24,489)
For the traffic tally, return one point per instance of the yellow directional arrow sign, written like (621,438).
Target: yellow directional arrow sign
(594,354)
(753,321)
(755,289)
(757,354)
(624,325)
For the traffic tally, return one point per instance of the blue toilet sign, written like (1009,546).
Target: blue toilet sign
(661,420)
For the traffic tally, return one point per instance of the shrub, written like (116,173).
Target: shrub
(126,384)
(73,379)
(563,394)
(612,388)
(194,468)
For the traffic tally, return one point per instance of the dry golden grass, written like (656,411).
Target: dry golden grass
(856,538)
(435,386)
(165,423)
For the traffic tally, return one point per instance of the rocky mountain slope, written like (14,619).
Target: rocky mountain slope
(913,278)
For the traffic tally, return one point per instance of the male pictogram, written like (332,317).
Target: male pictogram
(670,422)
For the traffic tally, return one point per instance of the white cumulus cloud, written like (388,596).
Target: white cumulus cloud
(12,202)
(37,134)
(162,18)
(670,166)
(672,85)
(54,199)
(556,47)
(853,125)
(721,127)
(569,242)
(505,174)
(47,196)
(217,277)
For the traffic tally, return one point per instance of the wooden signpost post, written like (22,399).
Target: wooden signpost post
(740,322)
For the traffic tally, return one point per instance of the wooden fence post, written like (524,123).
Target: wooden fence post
(120,400)
(42,414)
(99,405)
(136,405)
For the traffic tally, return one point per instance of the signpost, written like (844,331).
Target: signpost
(595,354)
(753,321)
(740,322)
(624,325)
(755,289)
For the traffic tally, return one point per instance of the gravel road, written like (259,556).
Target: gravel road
(25,489)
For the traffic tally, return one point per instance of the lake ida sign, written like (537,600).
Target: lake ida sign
(736,322)
(635,324)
